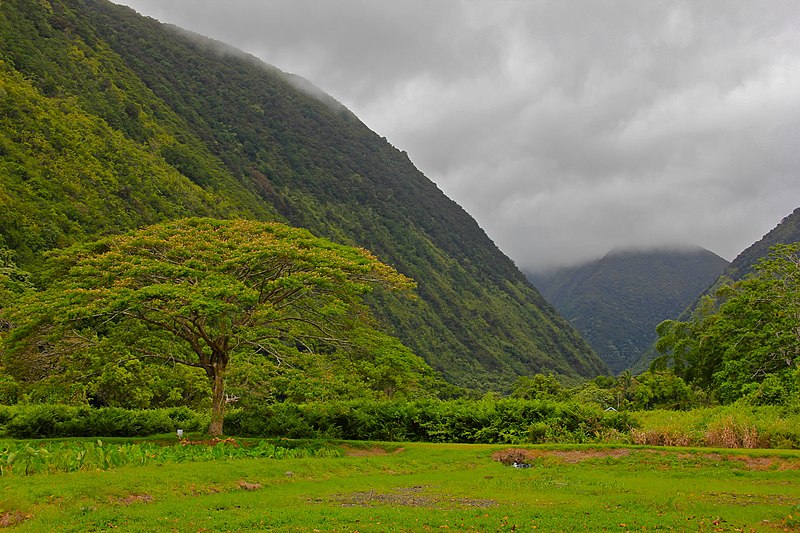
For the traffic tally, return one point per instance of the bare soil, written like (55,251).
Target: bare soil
(135,498)
(518,455)
(352,451)
(416,496)
(12,518)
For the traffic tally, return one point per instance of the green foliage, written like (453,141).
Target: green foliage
(744,343)
(27,458)
(111,121)
(194,292)
(476,421)
(539,387)
(650,390)
(52,421)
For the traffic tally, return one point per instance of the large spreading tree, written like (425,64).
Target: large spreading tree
(745,340)
(195,292)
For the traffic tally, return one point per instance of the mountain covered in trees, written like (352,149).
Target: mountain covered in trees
(786,232)
(617,301)
(110,121)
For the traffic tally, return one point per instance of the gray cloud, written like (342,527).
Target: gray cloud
(565,128)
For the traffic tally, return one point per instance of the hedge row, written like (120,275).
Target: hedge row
(52,421)
(469,421)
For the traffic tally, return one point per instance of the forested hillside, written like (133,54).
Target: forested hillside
(110,121)
(786,232)
(616,302)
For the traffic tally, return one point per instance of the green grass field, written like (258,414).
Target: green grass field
(423,487)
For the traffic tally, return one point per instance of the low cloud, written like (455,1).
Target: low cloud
(565,128)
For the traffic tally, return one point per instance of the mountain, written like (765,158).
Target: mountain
(786,232)
(111,121)
(617,301)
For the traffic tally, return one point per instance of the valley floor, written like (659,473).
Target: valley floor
(419,487)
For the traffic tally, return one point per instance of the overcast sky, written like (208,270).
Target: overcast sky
(566,128)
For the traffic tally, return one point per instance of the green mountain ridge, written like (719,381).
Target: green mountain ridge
(787,231)
(617,301)
(111,121)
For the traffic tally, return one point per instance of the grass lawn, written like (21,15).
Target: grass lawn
(423,487)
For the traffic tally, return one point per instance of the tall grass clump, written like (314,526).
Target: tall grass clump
(733,426)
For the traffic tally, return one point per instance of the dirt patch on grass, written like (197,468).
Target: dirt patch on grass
(731,498)
(520,456)
(351,451)
(194,490)
(12,518)
(577,456)
(246,485)
(135,498)
(209,442)
(764,463)
(747,461)
(416,496)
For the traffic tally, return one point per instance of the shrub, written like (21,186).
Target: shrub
(488,420)
(49,421)
(512,456)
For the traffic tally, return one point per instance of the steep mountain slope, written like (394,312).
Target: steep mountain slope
(786,232)
(122,121)
(617,301)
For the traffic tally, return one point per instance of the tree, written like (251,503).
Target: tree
(540,387)
(196,291)
(745,341)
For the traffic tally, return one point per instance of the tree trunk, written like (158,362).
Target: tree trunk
(217,400)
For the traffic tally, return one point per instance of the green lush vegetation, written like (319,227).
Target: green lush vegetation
(110,122)
(29,458)
(616,302)
(153,278)
(485,420)
(744,342)
(416,487)
(786,232)
(205,295)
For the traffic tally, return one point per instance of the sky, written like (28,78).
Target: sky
(566,128)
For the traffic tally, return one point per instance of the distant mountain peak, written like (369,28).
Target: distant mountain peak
(617,301)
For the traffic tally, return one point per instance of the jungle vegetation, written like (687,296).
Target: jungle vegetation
(153,185)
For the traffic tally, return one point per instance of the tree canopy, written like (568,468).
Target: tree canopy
(196,292)
(745,340)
